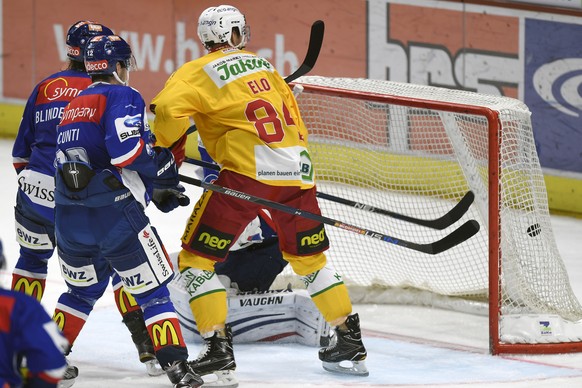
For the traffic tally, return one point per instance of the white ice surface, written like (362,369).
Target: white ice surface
(407,346)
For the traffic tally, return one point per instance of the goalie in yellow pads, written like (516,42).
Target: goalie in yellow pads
(250,123)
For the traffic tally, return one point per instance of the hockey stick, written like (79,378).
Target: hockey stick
(315,42)
(464,232)
(440,223)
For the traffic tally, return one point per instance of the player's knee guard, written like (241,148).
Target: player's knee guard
(329,293)
(124,301)
(207,296)
(32,235)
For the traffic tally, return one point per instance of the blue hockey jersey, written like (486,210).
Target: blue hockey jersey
(35,144)
(106,128)
(26,330)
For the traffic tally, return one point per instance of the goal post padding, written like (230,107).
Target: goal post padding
(417,150)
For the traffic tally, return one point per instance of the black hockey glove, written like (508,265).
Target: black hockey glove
(168,193)
(168,199)
(167,174)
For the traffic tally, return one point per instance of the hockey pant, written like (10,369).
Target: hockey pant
(216,223)
(35,233)
(119,237)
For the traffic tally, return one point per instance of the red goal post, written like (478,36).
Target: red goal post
(417,150)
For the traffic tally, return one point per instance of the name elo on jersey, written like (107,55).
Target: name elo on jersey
(230,68)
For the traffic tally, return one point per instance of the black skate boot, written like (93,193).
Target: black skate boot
(217,357)
(142,341)
(182,376)
(346,345)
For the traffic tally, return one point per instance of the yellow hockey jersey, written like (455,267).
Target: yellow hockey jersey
(245,113)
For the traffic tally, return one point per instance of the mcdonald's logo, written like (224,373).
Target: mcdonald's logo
(126,301)
(164,331)
(32,287)
(59,319)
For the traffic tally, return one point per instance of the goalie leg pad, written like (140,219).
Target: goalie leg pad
(279,316)
(329,294)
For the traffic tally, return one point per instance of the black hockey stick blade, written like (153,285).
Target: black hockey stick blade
(315,42)
(464,232)
(440,223)
(459,235)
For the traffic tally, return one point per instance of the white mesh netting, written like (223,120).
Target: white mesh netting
(396,146)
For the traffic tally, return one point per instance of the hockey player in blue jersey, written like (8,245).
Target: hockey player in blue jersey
(107,173)
(27,334)
(34,157)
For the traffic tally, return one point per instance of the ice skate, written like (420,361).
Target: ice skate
(142,341)
(71,373)
(346,352)
(182,376)
(217,358)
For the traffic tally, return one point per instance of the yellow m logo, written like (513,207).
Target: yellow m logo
(164,331)
(125,300)
(59,318)
(30,287)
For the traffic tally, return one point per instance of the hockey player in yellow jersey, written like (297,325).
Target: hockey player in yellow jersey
(250,123)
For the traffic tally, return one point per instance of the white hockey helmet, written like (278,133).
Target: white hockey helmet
(215,26)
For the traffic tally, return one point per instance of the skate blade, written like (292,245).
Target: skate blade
(153,368)
(354,368)
(220,379)
(66,383)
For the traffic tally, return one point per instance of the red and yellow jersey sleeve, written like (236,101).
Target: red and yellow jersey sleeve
(245,113)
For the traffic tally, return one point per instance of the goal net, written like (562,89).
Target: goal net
(417,150)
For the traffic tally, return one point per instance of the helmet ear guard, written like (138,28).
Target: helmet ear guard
(79,35)
(215,26)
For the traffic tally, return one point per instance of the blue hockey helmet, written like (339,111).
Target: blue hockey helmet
(103,53)
(79,35)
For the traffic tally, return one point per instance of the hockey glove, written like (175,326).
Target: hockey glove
(167,174)
(168,199)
